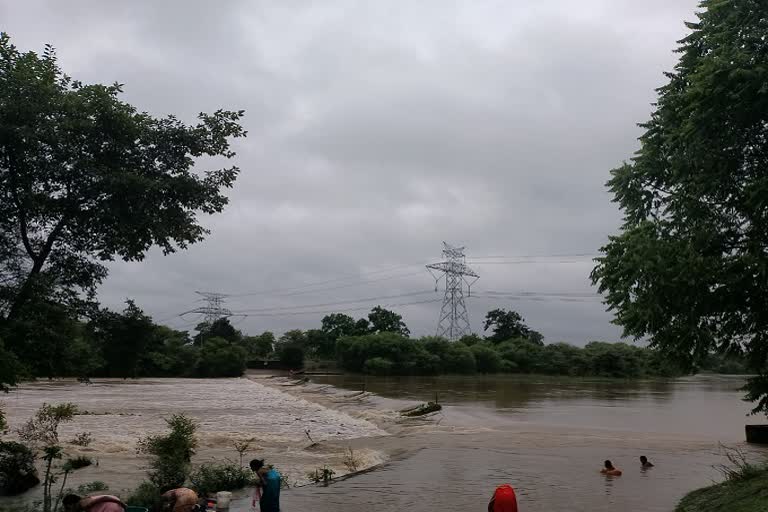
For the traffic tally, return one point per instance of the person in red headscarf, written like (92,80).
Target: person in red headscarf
(504,500)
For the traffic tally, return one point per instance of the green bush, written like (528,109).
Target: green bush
(425,363)
(459,358)
(221,358)
(486,358)
(146,495)
(378,366)
(79,462)
(17,469)
(212,478)
(91,487)
(292,356)
(171,453)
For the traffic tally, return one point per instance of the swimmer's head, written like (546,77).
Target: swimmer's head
(643,459)
(608,464)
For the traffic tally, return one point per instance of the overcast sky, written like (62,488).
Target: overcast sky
(376,131)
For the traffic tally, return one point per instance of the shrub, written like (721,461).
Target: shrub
(459,358)
(82,439)
(324,474)
(292,356)
(17,468)
(425,363)
(378,366)
(738,467)
(79,462)
(211,478)
(146,495)
(171,453)
(486,358)
(220,358)
(351,460)
(89,487)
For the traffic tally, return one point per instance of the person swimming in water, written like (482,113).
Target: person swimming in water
(645,463)
(610,470)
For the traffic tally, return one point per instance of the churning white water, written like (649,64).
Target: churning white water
(120,412)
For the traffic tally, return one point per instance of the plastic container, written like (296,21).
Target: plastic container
(222,500)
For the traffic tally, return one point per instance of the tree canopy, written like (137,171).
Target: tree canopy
(86,178)
(689,267)
(384,320)
(506,325)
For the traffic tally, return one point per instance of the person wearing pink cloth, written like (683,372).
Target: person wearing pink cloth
(105,503)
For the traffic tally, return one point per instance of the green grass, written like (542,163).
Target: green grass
(738,495)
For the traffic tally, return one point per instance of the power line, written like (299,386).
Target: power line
(351,285)
(327,312)
(534,256)
(353,301)
(353,277)
(548,294)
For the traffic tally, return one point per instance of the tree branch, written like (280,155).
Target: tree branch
(23,226)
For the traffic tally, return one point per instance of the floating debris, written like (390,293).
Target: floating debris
(421,409)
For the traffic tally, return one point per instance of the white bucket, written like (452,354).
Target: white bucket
(222,500)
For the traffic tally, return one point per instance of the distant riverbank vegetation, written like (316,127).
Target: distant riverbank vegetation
(129,344)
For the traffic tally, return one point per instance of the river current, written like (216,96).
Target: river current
(545,436)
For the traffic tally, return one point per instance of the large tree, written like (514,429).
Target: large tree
(689,268)
(384,320)
(86,178)
(506,325)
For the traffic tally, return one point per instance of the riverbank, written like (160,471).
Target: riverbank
(748,495)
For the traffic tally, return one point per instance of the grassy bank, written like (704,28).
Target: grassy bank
(738,495)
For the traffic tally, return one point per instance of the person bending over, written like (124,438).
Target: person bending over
(179,500)
(103,503)
(268,486)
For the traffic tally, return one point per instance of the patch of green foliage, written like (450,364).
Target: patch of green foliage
(392,354)
(17,468)
(91,487)
(687,269)
(211,478)
(740,495)
(170,453)
(146,495)
(79,462)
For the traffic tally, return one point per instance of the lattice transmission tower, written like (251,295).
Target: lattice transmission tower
(214,308)
(454,319)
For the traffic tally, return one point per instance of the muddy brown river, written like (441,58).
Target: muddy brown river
(545,436)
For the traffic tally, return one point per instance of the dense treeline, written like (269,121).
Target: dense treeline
(127,344)
(130,344)
(392,354)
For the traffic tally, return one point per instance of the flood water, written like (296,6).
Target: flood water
(548,438)
(545,436)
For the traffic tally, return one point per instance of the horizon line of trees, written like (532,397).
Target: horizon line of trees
(129,344)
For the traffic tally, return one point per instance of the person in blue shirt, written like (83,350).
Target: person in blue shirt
(268,486)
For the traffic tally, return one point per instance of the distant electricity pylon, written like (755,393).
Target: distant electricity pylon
(214,308)
(454,319)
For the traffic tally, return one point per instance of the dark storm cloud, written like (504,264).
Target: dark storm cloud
(379,129)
